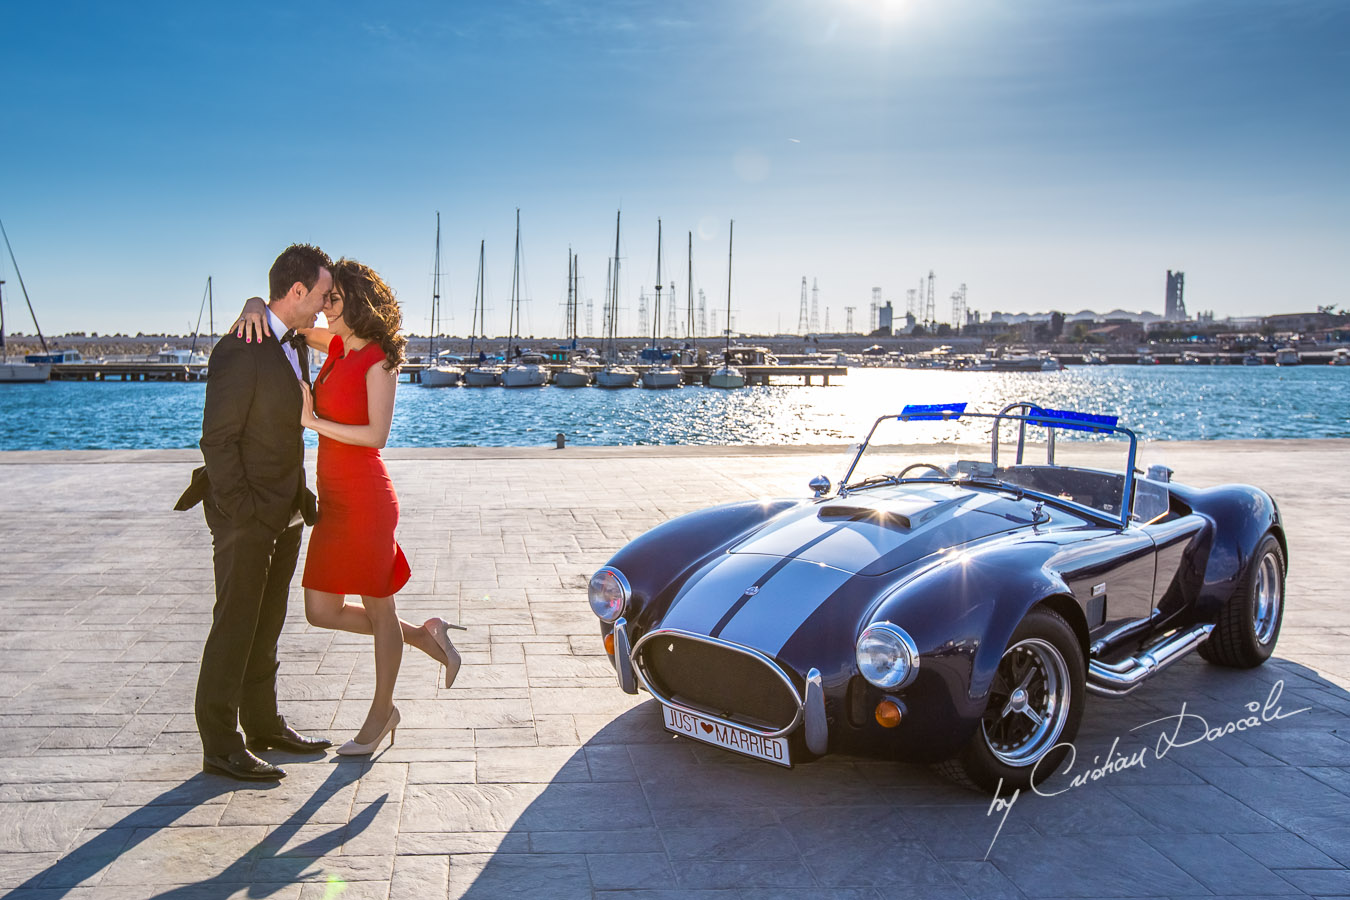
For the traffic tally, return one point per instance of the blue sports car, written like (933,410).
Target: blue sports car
(951,611)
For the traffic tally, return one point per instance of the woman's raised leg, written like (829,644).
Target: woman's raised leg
(333,611)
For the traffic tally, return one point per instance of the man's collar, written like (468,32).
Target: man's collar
(278,327)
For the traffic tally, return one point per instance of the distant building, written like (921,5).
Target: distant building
(1304,322)
(1120,331)
(885,317)
(1174,309)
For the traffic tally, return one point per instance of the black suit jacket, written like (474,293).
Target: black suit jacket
(252,441)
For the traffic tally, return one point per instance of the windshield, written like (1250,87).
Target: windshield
(1079,459)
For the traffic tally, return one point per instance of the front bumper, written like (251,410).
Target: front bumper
(724,682)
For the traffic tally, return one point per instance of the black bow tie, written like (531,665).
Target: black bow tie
(295,339)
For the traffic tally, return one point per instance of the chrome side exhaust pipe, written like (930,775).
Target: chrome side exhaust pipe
(1120,678)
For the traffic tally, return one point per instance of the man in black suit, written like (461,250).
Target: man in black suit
(254,494)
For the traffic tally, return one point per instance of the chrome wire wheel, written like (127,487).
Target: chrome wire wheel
(1028,703)
(1269,599)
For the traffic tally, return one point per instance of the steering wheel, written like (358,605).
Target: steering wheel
(922,465)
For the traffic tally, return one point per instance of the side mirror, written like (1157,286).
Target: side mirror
(820,484)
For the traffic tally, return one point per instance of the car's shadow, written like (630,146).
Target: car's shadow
(639,809)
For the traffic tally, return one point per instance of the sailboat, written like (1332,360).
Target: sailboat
(19,372)
(529,369)
(439,372)
(485,374)
(575,375)
(728,376)
(614,375)
(660,374)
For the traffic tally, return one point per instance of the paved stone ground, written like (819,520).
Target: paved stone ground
(535,774)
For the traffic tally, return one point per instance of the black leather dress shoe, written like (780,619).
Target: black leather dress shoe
(290,740)
(243,765)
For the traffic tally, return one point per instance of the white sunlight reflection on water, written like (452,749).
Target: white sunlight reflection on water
(1157,402)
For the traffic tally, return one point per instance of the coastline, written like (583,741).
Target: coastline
(642,451)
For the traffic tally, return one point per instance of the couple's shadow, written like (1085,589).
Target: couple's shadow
(287,863)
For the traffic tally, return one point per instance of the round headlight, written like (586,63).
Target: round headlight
(887,656)
(608,593)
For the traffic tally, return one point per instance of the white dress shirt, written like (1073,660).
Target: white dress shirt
(279,328)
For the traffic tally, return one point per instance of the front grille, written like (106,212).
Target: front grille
(717,678)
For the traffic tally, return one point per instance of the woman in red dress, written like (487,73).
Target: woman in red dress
(352,550)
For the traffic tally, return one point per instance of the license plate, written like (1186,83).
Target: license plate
(728,737)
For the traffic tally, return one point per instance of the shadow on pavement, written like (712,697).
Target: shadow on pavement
(286,863)
(1227,810)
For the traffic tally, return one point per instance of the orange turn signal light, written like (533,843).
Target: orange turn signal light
(609,643)
(888,713)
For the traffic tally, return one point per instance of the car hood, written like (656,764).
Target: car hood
(763,590)
(877,531)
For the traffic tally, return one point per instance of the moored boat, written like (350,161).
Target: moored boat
(660,375)
(728,376)
(439,372)
(29,371)
(487,373)
(614,374)
(529,370)
(575,375)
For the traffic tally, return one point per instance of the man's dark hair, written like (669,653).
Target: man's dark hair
(298,262)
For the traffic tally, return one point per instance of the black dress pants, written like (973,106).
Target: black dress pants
(238,679)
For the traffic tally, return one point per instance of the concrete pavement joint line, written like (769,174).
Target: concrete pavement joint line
(105,596)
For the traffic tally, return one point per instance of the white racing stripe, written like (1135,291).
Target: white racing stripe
(773,615)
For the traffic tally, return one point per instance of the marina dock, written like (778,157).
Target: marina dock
(699,374)
(132,370)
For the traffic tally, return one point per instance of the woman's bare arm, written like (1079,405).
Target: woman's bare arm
(381,384)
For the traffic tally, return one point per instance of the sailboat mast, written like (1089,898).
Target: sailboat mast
(614,320)
(211,308)
(570,324)
(689,289)
(201,310)
(19,275)
(731,233)
(656,315)
(435,291)
(4,350)
(477,301)
(514,324)
(609,321)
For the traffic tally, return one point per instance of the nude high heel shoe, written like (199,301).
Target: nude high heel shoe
(439,629)
(352,748)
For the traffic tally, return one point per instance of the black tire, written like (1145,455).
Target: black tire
(1044,662)
(1249,623)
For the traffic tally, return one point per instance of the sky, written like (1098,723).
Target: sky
(1047,154)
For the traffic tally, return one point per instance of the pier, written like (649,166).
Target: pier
(128,371)
(694,375)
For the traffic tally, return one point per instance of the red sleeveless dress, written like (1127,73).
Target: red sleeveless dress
(352,548)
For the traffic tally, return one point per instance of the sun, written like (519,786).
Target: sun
(886,10)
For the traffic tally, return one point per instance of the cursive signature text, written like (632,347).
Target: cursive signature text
(1187,728)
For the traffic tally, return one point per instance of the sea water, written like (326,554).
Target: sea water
(1157,402)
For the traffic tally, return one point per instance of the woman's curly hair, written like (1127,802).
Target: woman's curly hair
(370,309)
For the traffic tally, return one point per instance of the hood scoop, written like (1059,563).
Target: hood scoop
(847,512)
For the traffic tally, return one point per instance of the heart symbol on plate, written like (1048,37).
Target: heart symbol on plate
(706,727)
